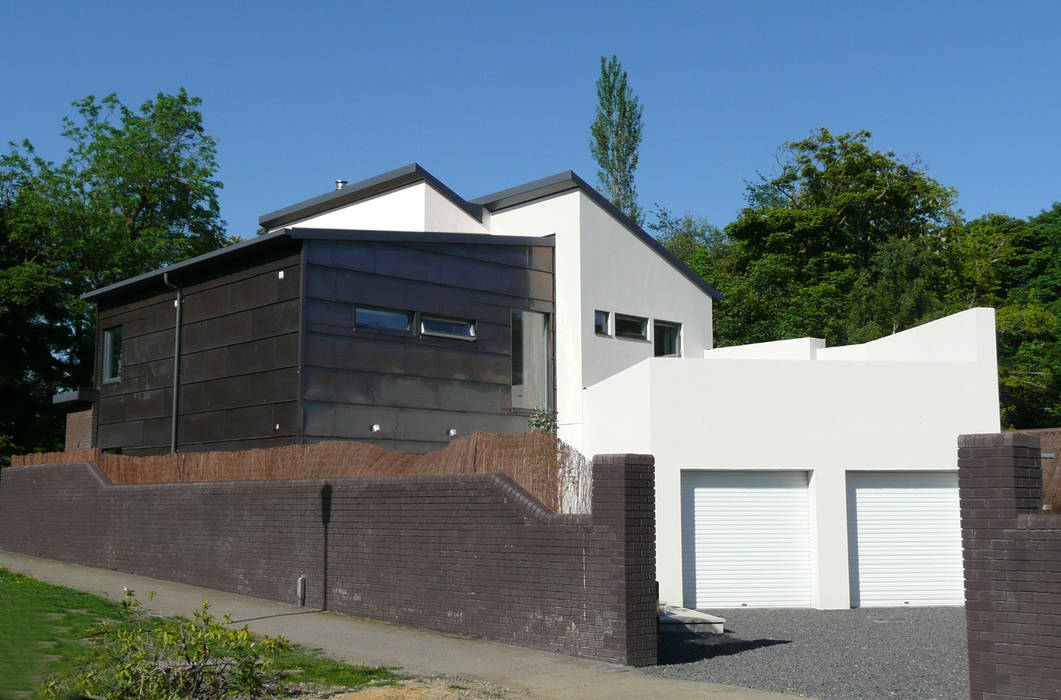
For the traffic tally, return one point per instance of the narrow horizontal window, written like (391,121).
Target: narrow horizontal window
(375,318)
(600,322)
(112,354)
(667,338)
(631,327)
(447,327)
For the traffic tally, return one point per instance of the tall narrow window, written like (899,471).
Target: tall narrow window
(667,338)
(112,354)
(600,323)
(530,359)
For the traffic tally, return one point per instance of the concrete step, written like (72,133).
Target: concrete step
(672,617)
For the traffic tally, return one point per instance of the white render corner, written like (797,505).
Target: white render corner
(892,405)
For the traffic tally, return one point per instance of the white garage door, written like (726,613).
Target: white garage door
(745,539)
(904,538)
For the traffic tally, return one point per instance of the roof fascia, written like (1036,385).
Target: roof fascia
(214,256)
(318,234)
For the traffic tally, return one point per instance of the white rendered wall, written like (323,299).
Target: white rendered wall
(827,417)
(621,274)
(559,215)
(417,207)
(440,214)
(399,210)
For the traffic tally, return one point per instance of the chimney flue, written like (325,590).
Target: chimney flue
(340,184)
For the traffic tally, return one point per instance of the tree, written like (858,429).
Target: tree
(843,244)
(137,190)
(616,138)
(1015,266)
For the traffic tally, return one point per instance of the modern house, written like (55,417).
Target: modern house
(395,311)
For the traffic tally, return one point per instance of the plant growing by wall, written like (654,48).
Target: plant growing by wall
(542,420)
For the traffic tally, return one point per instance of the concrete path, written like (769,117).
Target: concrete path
(359,641)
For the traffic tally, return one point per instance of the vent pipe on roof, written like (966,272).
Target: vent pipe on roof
(340,184)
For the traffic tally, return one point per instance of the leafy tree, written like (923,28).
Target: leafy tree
(843,244)
(616,138)
(137,190)
(1015,266)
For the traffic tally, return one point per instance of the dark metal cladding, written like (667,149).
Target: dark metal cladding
(239,360)
(268,360)
(415,388)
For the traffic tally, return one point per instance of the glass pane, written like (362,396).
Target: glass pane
(435,325)
(665,336)
(112,354)
(600,322)
(629,326)
(530,360)
(383,319)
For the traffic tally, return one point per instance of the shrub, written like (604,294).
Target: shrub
(139,657)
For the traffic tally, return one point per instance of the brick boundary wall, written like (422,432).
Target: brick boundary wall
(1012,555)
(467,554)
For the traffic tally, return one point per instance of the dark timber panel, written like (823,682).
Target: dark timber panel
(416,388)
(239,360)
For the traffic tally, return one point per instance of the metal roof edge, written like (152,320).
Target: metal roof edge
(212,256)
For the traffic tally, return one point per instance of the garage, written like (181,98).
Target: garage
(904,539)
(745,539)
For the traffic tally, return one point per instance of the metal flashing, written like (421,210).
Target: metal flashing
(76,396)
(317,234)
(380,184)
(214,256)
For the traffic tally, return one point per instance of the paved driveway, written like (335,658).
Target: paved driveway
(831,654)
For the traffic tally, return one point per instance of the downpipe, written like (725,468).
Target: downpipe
(178,303)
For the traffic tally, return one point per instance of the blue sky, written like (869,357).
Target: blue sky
(487,95)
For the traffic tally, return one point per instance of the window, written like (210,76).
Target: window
(447,327)
(600,322)
(667,339)
(631,327)
(112,354)
(530,359)
(373,318)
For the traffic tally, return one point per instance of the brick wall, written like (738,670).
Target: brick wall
(1012,569)
(80,429)
(468,554)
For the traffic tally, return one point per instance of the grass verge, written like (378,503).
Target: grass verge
(44,633)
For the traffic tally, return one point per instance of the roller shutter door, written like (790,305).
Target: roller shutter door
(745,539)
(904,539)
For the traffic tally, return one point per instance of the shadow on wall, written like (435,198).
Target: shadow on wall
(687,647)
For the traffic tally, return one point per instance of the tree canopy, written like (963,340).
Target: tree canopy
(849,244)
(616,138)
(137,190)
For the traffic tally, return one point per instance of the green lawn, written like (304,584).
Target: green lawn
(43,634)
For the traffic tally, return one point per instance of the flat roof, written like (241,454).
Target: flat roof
(277,239)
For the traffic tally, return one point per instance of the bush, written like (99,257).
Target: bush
(542,420)
(139,657)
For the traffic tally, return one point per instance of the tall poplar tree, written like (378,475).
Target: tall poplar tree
(616,138)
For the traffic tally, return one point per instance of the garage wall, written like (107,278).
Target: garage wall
(884,410)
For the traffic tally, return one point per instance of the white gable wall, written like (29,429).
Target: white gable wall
(621,274)
(398,210)
(440,214)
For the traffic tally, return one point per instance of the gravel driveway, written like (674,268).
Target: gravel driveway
(857,654)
